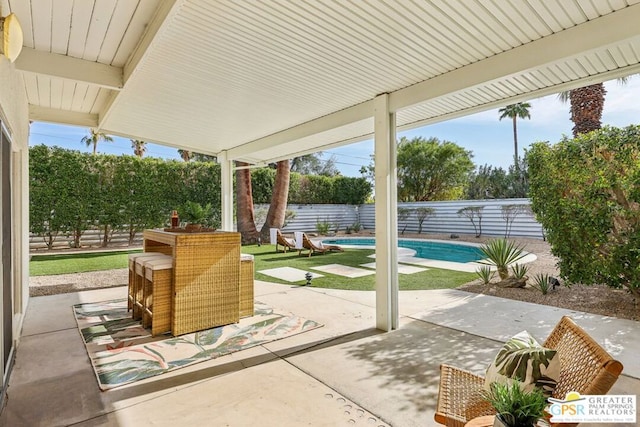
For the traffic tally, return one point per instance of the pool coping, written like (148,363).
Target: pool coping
(408,256)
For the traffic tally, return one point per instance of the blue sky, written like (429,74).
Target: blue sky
(489,139)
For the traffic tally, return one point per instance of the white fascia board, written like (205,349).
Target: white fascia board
(53,115)
(340,118)
(69,68)
(592,35)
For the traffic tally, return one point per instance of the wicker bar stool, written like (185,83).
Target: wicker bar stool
(138,283)
(157,291)
(132,274)
(246,285)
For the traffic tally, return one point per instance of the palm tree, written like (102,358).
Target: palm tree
(587,104)
(139,147)
(513,111)
(95,137)
(279,198)
(186,155)
(245,216)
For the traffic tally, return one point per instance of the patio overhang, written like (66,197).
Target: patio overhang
(245,78)
(265,81)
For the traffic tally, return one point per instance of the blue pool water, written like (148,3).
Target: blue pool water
(424,249)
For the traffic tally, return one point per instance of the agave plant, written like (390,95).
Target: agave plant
(519,270)
(485,273)
(501,253)
(542,282)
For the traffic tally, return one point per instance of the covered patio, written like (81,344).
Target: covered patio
(345,373)
(260,82)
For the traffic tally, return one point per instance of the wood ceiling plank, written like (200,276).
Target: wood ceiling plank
(56,93)
(629,54)
(540,9)
(485,38)
(68,90)
(89,99)
(101,17)
(122,16)
(141,18)
(31,86)
(44,91)
(590,10)
(80,21)
(61,26)
(78,96)
(575,12)
(100,101)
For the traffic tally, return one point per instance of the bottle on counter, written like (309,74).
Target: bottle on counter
(175,221)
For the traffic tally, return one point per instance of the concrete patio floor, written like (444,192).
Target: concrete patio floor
(345,373)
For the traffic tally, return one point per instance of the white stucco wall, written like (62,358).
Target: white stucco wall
(14,113)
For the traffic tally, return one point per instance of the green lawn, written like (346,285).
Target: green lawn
(46,265)
(433,278)
(266,258)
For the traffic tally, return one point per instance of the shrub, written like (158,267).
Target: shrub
(585,193)
(356,226)
(323,227)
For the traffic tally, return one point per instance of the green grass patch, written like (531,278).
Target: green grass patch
(265,258)
(48,265)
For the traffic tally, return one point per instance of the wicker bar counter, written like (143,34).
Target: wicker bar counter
(206,277)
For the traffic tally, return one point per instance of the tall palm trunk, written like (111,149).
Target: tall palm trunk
(586,108)
(515,141)
(279,197)
(245,216)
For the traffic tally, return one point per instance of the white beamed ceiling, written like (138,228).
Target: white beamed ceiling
(268,80)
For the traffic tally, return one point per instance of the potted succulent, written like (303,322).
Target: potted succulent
(514,406)
(195,215)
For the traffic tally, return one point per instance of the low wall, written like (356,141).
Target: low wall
(445,220)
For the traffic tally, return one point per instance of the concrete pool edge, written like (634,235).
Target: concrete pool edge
(407,255)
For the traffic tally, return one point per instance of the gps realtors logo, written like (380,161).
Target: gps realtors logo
(593,409)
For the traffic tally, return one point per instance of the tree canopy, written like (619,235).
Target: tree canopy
(314,164)
(429,169)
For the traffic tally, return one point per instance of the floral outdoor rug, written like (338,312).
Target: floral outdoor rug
(122,351)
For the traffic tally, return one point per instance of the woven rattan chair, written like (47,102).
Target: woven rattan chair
(585,367)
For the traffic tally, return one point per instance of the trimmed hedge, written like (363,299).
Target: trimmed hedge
(72,192)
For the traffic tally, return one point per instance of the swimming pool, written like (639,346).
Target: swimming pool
(428,249)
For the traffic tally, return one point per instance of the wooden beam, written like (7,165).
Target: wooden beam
(69,68)
(330,121)
(53,115)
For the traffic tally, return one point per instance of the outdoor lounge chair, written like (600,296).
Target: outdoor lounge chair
(318,246)
(585,367)
(286,242)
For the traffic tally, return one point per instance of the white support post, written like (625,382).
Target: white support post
(226,179)
(387,315)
